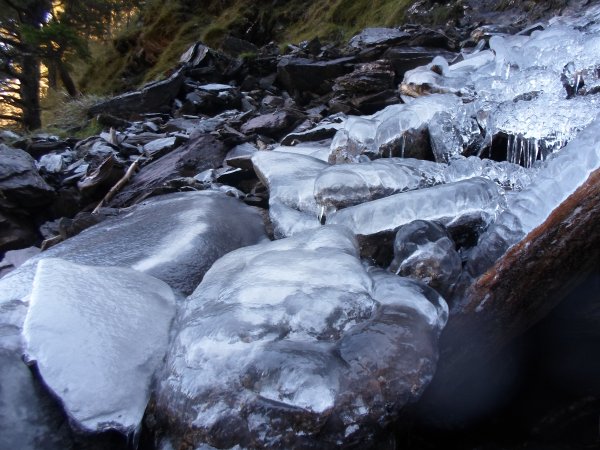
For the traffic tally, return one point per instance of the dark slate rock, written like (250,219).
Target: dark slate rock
(20,182)
(378,36)
(408,58)
(201,152)
(153,97)
(273,124)
(302,74)
(16,231)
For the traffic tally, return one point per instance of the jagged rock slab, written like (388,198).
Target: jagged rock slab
(96,335)
(446,203)
(201,152)
(302,74)
(153,97)
(295,343)
(378,36)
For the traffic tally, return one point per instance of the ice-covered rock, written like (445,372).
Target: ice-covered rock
(425,251)
(296,343)
(290,178)
(345,185)
(555,180)
(88,331)
(475,198)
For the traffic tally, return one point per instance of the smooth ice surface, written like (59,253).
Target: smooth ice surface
(97,334)
(444,203)
(272,342)
(345,185)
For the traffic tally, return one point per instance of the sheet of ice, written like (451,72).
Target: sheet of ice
(555,180)
(511,177)
(272,341)
(97,334)
(345,185)
(317,151)
(444,203)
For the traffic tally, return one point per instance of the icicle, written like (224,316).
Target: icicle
(322,216)
(403,145)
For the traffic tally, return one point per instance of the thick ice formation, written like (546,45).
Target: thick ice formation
(283,337)
(446,203)
(345,185)
(558,178)
(97,334)
(290,178)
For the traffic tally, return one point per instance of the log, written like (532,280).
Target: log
(524,285)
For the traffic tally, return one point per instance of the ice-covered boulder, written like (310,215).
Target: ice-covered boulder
(96,335)
(295,343)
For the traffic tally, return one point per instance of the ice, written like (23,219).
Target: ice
(290,178)
(425,251)
(345,185)
(555,180)
(315,150)
(272,339)
(403,132)
(511,177)
(87,329)
(454,133)
(446,203)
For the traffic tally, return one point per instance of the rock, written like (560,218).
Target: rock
(235,47)
(202,151)
(16,231)
(378,36)
(273,124)
(366,78)
(20,182)
(425,251)
(159,147)
(320,132)
(403,59)
(301,74)
(15,258)
(153,97)
(294,343)
(89,338)
(97,183)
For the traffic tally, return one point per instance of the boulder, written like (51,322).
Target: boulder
(275,124)
(20,182)
(296,344)
(378,36)
(302,74)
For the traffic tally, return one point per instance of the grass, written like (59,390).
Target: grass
(65,117)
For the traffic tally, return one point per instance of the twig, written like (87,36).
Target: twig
(117,187)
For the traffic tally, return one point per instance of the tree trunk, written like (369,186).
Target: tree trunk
(30,91)
(524,285)
(66,79)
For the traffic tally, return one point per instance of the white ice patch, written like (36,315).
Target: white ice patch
(97,335)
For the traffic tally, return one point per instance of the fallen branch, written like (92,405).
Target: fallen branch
(119,185)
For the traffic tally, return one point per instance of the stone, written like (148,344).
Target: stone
(87,332)
(20,182)
(273,124)
(202,151)
(301,74)
(296,344)
(378,36)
